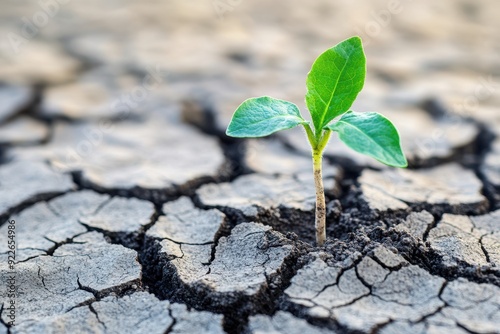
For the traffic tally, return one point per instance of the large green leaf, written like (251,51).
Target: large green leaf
(335,79)
(371,134)
(261,116)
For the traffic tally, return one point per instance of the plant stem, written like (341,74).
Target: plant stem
(317,155)
(320,221)
(318,144)
(310,135)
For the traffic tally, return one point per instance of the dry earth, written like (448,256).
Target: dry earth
(135,214)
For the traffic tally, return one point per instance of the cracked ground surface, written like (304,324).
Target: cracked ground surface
(134,213)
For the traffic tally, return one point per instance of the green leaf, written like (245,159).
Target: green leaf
(335,79)
(261,116)
(371,134)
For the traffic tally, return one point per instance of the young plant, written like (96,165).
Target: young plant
(333,83)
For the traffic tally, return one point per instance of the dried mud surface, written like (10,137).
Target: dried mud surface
(143,217)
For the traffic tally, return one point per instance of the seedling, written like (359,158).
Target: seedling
(333,83)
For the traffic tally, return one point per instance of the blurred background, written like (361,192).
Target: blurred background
(433,68)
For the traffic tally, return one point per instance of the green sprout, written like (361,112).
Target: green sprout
(334,81)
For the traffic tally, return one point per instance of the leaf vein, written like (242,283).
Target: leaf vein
(332,94)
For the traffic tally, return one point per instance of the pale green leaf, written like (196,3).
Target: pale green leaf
(371,134)
(262,116)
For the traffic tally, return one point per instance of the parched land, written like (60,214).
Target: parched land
(134,213)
